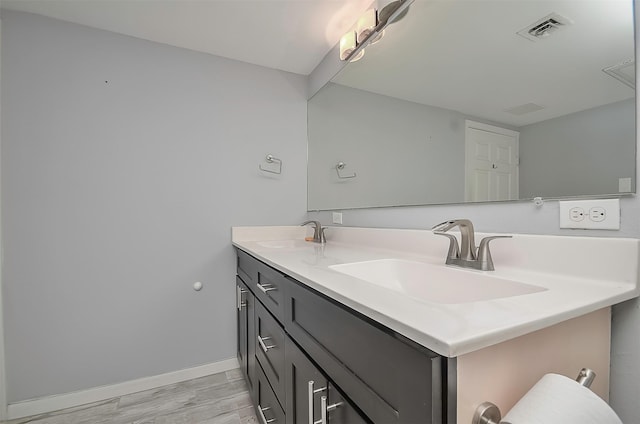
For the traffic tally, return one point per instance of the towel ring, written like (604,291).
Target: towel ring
(272,159)
(339,167)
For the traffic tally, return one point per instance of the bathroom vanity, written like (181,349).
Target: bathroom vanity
(323,335)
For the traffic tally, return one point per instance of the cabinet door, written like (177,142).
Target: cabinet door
(305,385)
(241,315)
(335,409)
(307,390)
(245,304)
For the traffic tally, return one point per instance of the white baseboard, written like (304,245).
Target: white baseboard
(96,394)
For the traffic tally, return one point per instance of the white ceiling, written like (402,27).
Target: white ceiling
(290,35)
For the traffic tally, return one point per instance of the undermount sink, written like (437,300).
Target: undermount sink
(435,283)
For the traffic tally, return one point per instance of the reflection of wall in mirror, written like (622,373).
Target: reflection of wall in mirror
(405,153)
(584,153)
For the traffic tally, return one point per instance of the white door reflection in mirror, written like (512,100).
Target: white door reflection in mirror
(491,163)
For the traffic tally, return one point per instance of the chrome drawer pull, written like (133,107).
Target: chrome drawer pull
(325,409)
(263,345)
(239,292)
(264,419)
(312,392)
(264,288)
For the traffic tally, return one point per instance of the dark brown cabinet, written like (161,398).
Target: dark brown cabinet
(311,360)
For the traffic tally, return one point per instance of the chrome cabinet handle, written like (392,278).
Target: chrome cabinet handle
(261,412)
(239,292)
(264,288)
(264,347)
(312,392)
(325,409)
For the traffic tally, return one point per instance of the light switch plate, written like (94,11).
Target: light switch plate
(337,218)
(624,185)
(595,214)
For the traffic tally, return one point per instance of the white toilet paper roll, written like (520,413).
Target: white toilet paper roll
(556,399)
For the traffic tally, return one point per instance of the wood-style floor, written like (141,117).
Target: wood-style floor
(221,398)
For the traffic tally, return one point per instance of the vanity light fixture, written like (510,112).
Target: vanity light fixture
(365,32)
(365,26)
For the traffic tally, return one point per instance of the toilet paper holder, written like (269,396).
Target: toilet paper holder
(489,413)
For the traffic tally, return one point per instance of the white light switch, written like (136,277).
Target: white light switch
(624,185)
(337,218)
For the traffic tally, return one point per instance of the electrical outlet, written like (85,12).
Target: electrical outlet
(337,218)
(576,214)
(595,214)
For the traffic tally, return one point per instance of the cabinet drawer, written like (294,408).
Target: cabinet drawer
(267,407)
(270,349)
(247,267)
(267,284)
(269,289)
(389,380)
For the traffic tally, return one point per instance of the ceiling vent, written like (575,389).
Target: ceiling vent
(624,72)
(544,27)
(525,108)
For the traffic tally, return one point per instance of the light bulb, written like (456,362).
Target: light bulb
(366,24)
(348,45)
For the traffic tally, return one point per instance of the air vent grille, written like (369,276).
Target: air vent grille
(525,108)
(544,27)
(624,72)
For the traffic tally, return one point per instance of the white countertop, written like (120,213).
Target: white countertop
(580,275)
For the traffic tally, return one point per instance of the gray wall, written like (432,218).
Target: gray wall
(584,153)
(124,165)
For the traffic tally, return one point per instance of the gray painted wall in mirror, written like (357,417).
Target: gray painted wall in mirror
(413,154)
(585,152)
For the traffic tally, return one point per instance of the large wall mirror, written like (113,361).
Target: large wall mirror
(474,101)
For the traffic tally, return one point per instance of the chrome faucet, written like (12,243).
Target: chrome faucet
(318,231)
(466,254)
